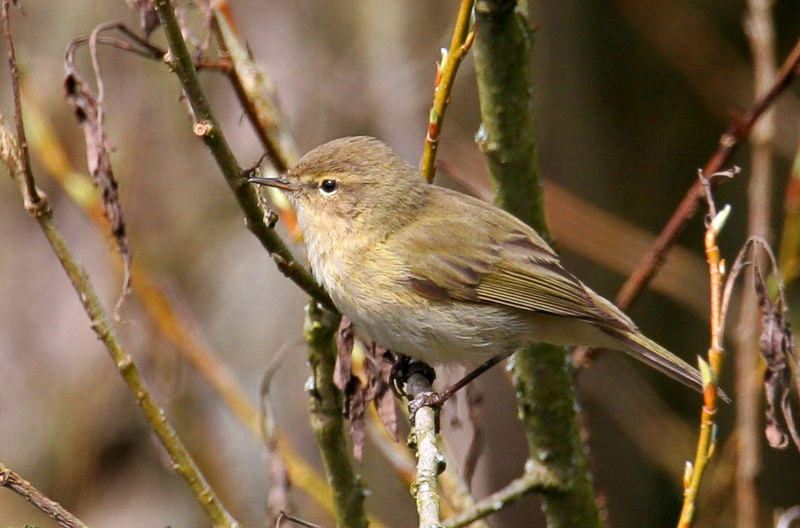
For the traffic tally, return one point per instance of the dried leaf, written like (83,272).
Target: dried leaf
(148,18)
(777,347)
(776,343)
(88,111)
(344,356)
(378,366)
(359,393)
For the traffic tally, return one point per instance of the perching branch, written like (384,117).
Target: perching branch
(12,481)
(430,462)
(207,127)
(443,85)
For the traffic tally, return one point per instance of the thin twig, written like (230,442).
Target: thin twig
(760,32)
(443,85)
(101,325)
(728,143)
(256,94)
(34,200)
(710,370)
(207,127)
(536,478)
(172,325)
(291,518)
(11,480)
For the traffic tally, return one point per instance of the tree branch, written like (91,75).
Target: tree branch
(12,481)
(541,373)
(430,461)
(100,323)
(207,127)
(760,31)
(328,423)
(728,143)
(536,478)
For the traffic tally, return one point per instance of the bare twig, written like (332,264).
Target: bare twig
(207,127)
(101,324)
(709,369)
(166,317)
(536,478)
(12,481)
(443,85)
(760,31)
(737,131)
(34,199)
(430,461)
(729,141)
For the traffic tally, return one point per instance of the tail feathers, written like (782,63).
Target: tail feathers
(660,358)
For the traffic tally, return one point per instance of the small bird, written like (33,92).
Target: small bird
(439,275)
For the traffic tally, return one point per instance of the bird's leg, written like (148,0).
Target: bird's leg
(438,398)
(402,368)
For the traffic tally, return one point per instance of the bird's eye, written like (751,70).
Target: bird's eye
(328,187)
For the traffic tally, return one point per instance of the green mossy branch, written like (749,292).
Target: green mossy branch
(327,421)
(541,373)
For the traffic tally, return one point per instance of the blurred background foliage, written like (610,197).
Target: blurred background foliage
(631,98)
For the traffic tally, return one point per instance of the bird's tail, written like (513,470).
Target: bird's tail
(659,358)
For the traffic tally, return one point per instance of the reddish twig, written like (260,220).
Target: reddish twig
(729,141)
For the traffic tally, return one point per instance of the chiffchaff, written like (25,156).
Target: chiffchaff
(439,275)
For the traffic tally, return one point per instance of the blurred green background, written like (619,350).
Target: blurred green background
(630,100)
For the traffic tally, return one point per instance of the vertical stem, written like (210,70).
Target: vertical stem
(328,423)
(541,374)
(761,36)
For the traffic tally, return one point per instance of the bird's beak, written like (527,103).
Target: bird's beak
(279,183)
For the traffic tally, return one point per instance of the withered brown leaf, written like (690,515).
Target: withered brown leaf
(88,111)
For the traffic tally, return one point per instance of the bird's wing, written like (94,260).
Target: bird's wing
(501,262)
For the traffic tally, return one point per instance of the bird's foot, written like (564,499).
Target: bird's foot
(403,368)
(425,399)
